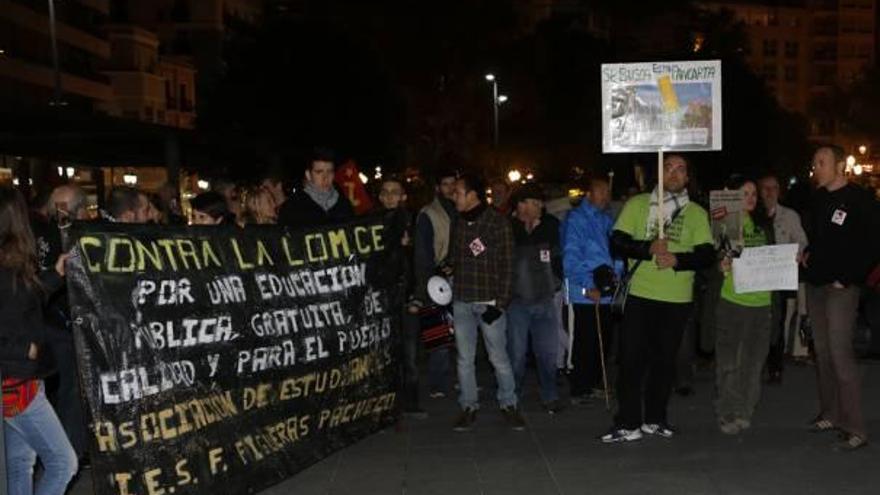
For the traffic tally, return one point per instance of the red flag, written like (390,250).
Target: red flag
(348,178)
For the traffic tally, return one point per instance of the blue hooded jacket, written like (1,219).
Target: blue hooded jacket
(586,245)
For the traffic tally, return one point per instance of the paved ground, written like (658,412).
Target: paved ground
(559,454)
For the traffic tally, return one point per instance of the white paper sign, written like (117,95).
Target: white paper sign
(766,268)
(672,106)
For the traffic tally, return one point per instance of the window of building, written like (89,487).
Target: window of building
(185,103)
(770,48)
(791,73)
(825,51)
(824,75)
(791,49)
(769,72)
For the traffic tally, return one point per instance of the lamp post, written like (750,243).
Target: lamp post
(497,100)
(53,41)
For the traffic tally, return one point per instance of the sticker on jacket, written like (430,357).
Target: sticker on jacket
(839,217)
(545,256)
(477,247)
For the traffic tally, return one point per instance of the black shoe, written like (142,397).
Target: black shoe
(583,399)
(849,442)
(514,418)
(465,420)
(685,391)
(774,378)
(554,407)
(415,413)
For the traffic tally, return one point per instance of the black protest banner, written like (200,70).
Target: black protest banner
(221,360)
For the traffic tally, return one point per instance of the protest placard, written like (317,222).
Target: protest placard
(222,361)
(673,106)
(766,268)
(726,213)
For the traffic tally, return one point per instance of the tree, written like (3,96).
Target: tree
(857,107)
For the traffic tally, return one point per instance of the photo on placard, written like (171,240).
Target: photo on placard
(726,214)
(642,115)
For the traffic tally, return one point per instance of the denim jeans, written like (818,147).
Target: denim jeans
(439,373)
(539,322)
(37,433)
(467,321)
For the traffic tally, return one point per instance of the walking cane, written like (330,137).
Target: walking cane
(602,357)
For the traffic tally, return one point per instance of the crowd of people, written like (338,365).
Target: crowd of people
(607,297)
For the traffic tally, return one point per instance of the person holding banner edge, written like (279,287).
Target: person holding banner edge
(660,297)
(398,223)
(30,425)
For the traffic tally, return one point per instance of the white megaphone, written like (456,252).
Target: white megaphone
(439,290)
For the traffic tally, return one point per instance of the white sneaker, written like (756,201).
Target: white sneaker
(616,435)
(660,430)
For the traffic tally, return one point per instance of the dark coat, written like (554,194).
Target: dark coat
(301,212)
(21,323)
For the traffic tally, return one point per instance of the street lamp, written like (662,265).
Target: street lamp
(497,100)
(850,163)
(863,149)
(53,41)
(514,175)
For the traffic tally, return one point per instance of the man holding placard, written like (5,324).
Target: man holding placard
(660,300)
(843,229)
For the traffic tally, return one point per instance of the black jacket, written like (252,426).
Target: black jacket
(537,260)
(301,212)
(843,227)
(21,323)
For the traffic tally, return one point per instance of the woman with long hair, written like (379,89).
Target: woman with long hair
(742,338)
(30,425)
(259,207)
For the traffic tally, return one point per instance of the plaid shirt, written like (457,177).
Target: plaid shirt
(482,259)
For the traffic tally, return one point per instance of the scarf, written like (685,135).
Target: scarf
(474,213)
(671,204)
(324,199)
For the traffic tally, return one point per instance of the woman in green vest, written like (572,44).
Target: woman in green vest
(742,338)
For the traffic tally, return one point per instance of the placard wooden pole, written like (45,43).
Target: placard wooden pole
(660,196)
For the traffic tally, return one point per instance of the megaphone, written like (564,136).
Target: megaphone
(439,290)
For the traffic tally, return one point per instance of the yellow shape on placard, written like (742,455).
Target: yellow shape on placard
(667,94)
